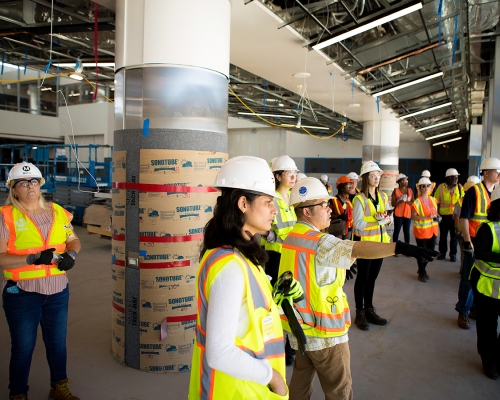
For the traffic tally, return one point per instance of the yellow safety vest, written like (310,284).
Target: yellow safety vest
(489,281)
(480,210)
(324,312)
(447,202)
(25,238)
(426,228)
(282,224)
(209,384)
(375,233)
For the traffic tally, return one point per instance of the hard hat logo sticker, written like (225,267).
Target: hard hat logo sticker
(26,168)
(302,191)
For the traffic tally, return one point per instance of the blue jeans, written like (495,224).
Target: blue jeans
(465,295)
(24,312)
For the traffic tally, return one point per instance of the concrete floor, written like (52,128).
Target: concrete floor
(420,354)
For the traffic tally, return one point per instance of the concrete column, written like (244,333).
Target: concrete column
(381,143)
(34,98)
(492,143)
(172,68)
(475,148)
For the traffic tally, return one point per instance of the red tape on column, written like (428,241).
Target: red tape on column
(191,317)
(117,307)
(163,265)
(153,187)
(170,239)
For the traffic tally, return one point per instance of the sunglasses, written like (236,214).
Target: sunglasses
(425,186)
(24,184)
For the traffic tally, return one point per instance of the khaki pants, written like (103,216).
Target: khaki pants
(333,366)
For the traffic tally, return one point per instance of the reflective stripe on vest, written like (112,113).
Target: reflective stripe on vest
(207,383)
(489,281)
(481,209)
(374,233)
(425,229)
(283,223)
(26,238)
(446,201)
(324,310)
(339,208)
(403,209)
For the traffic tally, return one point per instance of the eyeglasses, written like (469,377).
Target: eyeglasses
(323,204)
(32,182)
(374,176)
(290,173)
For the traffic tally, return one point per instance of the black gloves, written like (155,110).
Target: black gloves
(44,257)
(410,250)
(343,217)
(66,260)
(349,274)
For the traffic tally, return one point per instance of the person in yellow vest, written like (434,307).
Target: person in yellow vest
(370,219)
(447,195)
(321,263)
(353,176)
(37,247)
(342,206)
(485,282)
(324,181)
(401,200)
(238,349)
(473,213)
(425,223)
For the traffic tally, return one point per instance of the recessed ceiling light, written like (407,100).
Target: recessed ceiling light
(302,75)
(354,105)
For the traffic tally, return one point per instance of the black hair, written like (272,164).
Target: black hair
(341,187)
(494,211)
(225,227)
(276,181)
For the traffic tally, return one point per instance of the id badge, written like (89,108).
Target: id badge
(378,207)
(268,328)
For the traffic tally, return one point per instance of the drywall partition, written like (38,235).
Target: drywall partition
(29,126)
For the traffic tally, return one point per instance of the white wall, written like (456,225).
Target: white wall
(266,143)
(29,126)
(418,149)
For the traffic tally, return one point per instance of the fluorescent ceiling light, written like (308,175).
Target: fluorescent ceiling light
(73,94)
(393,89)
(442,134)
(424,111)
(367,26)
(76,77)
(447,141)
(86,64)
(305,126)
(436,125)
(267,115)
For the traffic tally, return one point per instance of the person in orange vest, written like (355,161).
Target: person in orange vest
(474,211)
(425,228)
(401,200)
(447,195)
(427,174)
(342,206)
(239,344)
(37,247)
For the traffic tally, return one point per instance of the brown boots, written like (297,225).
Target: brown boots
(361,321)
(62,392)
(368,315)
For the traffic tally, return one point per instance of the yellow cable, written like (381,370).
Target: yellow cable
(91,84)
(285,126)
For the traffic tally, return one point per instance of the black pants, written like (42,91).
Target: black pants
(446,225)
(364,286)
(487,312)
(426,244)
(401,222)
(273,265)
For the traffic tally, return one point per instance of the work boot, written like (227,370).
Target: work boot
(61,392)
(490,370)
(421,278)
(472,315)
(463,321)
(441,257)
(372,317)
(361,321)
(23,396)
(453,258)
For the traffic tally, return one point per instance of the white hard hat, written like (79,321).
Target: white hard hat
(468,185)
(284,163)
(24,170)
(490,163)
(451,172)
(308,189)
(324,178)
(400,176)
(369,166)
(474,179)
(248,173)
(424,181)
(353,176)
(495,195)
(426,173)
(300,176)
(272,161)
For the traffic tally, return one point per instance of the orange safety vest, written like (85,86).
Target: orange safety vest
(374,233)
(341,208)
(481,209)
(26,238)
(425,229)
(403,209)
(446,201)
